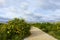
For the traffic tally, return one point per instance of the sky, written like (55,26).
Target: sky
(31,10)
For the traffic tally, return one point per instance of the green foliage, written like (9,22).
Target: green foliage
(50,28)
(16,29)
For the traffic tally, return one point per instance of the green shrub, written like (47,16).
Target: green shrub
(50,28)
(16,29)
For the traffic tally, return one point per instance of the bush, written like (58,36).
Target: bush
(16,29)
(50,28)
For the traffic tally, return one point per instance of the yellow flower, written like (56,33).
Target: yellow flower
(8,32)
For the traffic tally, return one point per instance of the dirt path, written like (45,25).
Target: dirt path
(37,34)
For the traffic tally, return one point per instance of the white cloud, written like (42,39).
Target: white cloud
(2,1)
(49,9)
(24,5)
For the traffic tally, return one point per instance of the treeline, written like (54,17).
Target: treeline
(50,28)
(16,29)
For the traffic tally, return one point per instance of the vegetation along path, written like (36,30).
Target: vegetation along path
(37,34)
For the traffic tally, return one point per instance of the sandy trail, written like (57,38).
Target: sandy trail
(37,34)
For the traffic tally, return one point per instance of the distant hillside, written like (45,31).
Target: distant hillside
(4,20)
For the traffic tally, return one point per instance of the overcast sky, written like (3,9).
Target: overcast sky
(31,10)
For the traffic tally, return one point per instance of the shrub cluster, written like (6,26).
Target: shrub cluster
(50,28)
(16,29)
